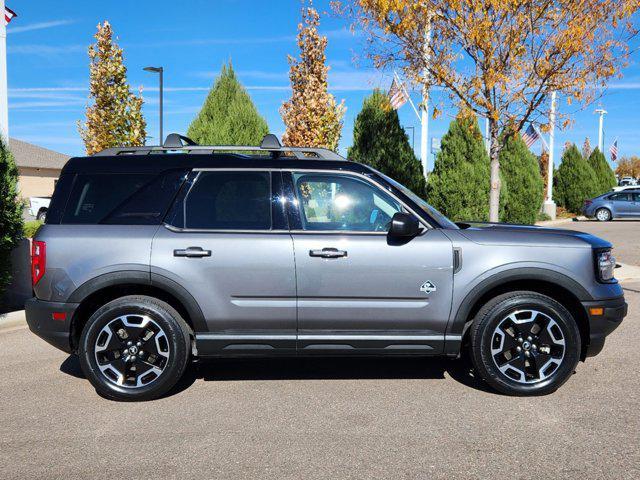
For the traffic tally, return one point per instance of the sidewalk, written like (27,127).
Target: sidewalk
(11,320)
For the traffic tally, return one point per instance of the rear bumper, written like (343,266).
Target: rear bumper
(615,309)
(55,329)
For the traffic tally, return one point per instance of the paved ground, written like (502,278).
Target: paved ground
(624,234)
(338,419)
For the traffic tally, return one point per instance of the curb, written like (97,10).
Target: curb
(627,273)
(547,223)
(12,320)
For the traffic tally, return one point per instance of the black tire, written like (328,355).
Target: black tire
(603,215)
(42,216)
(168,346)
(486,335)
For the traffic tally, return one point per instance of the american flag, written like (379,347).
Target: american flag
(397,95)
(530,136)
(8,15)
(613,150)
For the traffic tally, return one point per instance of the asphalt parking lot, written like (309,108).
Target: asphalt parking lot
(335,418)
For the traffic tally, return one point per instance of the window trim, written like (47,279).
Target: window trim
(293,203)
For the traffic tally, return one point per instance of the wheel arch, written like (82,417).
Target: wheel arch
(96,292)
(555,285)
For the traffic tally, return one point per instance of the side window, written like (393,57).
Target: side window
(636,196)
(620,197)
(343,202)
(222,200)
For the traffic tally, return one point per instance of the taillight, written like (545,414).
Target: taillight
(587,203)
(38,260)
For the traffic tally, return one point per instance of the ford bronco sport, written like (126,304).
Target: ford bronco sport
(151,256)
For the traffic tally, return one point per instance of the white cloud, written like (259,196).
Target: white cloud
(37,26)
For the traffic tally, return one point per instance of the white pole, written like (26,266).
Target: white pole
(602,113)
(4,107)
(424,121)
(549,206)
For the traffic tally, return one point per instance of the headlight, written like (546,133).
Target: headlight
(605,265)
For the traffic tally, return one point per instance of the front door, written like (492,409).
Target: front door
(358,290)
(228,246)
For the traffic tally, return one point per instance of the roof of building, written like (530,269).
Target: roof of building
(33,156)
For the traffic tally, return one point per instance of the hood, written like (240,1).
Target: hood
(511,234)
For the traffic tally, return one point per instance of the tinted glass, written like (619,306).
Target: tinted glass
(342,202)
(636,197)
(229,201)
(621,197)
(94,196)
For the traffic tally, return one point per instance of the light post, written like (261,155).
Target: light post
(160,71)
(602,112)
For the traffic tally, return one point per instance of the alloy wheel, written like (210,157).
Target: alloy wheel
(527,346)
(132,351)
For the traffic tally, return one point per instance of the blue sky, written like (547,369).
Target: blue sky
(48,67)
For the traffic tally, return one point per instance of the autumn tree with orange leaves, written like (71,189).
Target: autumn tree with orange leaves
(501,59)
(312,116)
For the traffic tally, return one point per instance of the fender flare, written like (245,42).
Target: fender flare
(137,277)
(458,322)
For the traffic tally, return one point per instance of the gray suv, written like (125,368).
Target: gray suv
(153,256)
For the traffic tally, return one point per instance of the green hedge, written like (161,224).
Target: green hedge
(575,181)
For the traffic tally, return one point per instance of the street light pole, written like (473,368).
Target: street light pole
(602,112)
(160,72)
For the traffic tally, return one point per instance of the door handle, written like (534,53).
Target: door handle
(328,253)
(192,252)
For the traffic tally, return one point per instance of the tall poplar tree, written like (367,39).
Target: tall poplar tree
(605,178)
(228,116)
(114,114)
(380,141)
(312,116)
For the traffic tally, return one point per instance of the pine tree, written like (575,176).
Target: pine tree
(228,116)
(605,178)
(380,141)
(312,116)
(575,181)
(459,183)
(114,115)
(522,182)
(10,213)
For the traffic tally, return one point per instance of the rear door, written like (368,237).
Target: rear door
(358,290)
(227,243)
(622,204)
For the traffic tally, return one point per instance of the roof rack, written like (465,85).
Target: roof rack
(270,144)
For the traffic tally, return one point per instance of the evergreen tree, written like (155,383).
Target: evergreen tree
(605,178)
(228,116)
(459,183)
(114,115)
(575,181)
(523,184)
(10,213)
(312,116)
(380,141)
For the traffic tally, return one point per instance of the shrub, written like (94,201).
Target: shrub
(10,213)
(574,182)
(380,141)
(605,178)
(459,184)
(522,183)
(30,228)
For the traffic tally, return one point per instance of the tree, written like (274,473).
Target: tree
(10,213)
(312,116)
(575,181)
(628,167)
(114,114)
(605,178)
(380,141)
(459,183)
(543,164)
(500,59)
(586,148)
(523,184)
(228,116)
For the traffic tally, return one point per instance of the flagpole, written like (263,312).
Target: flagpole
(549,206)
(424,121)
(4,108)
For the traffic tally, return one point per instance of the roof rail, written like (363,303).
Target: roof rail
(270,144)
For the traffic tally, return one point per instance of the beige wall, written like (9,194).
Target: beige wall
(36,182)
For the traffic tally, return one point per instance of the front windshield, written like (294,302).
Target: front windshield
(424,206)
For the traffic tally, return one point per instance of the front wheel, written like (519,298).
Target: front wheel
(525,343)
(134,348)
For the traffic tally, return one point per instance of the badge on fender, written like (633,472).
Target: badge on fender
(428,287)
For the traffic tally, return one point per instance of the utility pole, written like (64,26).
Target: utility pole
(424,118)
(602,112)
(4,107)
(549,206)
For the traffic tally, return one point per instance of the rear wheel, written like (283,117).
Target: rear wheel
(524,343)
(134,348)
(603,214)
(42,215)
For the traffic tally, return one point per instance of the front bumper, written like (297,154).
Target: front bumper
(55,329)
(614,310)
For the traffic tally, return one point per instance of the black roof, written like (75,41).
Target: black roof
(156,163)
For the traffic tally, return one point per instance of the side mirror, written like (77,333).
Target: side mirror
(404,225)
